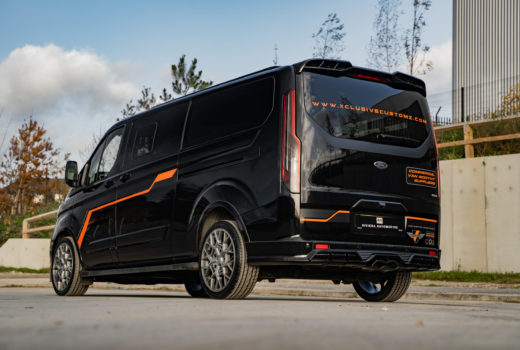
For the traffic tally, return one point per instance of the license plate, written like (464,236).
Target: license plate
(382,224)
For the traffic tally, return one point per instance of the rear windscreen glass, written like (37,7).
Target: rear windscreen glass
(365,110)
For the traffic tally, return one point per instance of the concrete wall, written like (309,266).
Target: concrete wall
(32,253)
(480,218)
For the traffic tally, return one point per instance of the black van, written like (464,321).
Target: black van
(319,170)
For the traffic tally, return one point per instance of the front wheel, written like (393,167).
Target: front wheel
(66,268)
(224,271)
(386,290)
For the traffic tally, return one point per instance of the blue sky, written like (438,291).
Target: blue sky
(134,42)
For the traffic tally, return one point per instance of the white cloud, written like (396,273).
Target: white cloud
(37,78)
(73,93)
(439,79)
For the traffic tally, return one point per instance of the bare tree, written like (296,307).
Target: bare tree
(275,61)
(145,102)
(385,47)
(414,48)
(329,38)
(85,153)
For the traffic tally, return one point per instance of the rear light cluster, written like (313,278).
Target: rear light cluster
(291,145)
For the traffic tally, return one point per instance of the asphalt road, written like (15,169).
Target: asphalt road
(35,318)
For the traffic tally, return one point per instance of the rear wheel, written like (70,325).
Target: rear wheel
(66,268)
(387,290)
(224,271)
(195,289)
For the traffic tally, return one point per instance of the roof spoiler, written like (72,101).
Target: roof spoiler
(345,68)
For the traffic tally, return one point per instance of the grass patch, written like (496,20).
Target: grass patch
(473,276)
(22,269)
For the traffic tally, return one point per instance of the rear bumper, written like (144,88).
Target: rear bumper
(365,256)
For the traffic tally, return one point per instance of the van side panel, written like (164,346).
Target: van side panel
(241,169)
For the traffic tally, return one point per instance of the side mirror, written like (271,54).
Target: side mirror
(71,173)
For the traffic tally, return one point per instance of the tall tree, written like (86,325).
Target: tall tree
(29,167)
(275,60)
(414,48)
(186,79)
(329,38)
(385,47)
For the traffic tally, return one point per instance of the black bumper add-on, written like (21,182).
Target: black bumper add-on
(364,256)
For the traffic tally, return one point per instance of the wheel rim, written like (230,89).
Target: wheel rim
(62,266)
(372,287)
(217,259)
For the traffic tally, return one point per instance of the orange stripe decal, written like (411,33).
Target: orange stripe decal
(420,219)
(327,219)
(160,177)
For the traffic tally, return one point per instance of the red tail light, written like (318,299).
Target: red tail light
(322,246)
(291,146)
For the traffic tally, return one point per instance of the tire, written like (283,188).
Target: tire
(66,268)
(389,290)
(223,268)
(195,289)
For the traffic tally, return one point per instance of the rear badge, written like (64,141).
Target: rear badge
(416,235)
(380,165)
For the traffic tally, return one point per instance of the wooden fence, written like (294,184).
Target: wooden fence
(26,225)
(469,141)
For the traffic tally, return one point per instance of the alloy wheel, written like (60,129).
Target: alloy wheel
(62,266)
(218,259)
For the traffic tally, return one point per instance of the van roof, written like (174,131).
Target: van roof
(326,66)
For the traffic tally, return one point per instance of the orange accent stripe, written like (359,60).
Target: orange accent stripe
(421,219)
(160,177)
(325,220)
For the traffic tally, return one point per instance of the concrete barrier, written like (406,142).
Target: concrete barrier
(32,253)
(480,214)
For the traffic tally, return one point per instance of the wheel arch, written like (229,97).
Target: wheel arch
(226,199)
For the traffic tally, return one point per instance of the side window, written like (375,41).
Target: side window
(144,140)
(104,158)
(108,160)
(229,110)
(156,134)
(94,165)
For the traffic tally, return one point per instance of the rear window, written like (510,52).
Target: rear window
(366,110)
(224,112)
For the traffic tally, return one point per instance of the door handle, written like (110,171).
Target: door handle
(125,177)
(109,183)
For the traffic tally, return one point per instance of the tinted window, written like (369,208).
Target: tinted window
(366,110)
(104,159)
(144,140)
(156,134)
(227,111)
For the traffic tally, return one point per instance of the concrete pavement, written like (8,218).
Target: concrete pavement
(419,290)
(35,318)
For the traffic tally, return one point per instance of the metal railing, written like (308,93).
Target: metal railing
(26,225)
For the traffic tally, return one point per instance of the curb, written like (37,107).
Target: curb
(262,290)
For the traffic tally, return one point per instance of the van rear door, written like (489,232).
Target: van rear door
(368,163)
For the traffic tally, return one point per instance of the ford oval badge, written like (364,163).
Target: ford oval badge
(380,165)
